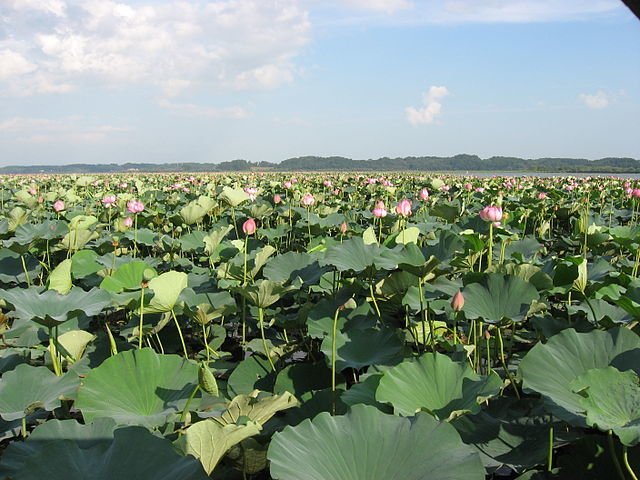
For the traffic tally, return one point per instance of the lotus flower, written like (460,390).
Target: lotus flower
(135,206)
(424,194)
(128,222)
(252,192)
(457,301)
(379,211)
(404,208)
(109,200)
(491,213)
(308,200)
(249,226)
(277,199)
(58,206)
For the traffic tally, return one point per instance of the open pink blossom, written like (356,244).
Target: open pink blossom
(277,198)
(252,192)
(424,194)
(109,200)
(379,211)
(58,206)
(491,213)
(128,222)
(308,200)
(135,206)
(404,208)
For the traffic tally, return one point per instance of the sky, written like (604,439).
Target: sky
(164,81)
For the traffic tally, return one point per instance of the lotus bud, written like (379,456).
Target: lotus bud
(206,380)
(457,302)
(343,228)
(249,226)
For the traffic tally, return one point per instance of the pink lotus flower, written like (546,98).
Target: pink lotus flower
(343,228)
(277,199)
(308,200)
(636,193)
(109,200)
(628,191)
(33,191)
(457,302)
(249,226)
(468,187)
(135,206)
(58,206)
(379,211)
(404,208)
(252,192)
(327,183)
(128,222)
(287,185)
(542,196)
(424,194)
(491,213)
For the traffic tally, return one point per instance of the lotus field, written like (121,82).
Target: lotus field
(319,327)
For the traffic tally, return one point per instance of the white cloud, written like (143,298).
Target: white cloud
(597,100)
(430,109)
(387,6)
(170,44)
(13,64)
(45,130)
(192,110)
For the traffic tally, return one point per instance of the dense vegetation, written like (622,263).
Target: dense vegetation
(320,327)
(463,163)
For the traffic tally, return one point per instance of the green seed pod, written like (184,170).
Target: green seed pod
(206,380)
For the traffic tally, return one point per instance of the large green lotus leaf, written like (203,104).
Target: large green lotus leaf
(549,368)
(257,406)
(30,233)
(302,379)
(352,254)
(60,278)
(611,399)
(66,450)
(368,444)
(73,343)
(233,196)
(437,384)
(76,239)
(251,373)
(138,387)
(509,432)
(209,441)
(360,348)
(127,277)
(498,298)
(166,289)
(11,269)
(264,293)
(49,308)
(193,241)
(292,265)
(26,388)
(193,213)
(84,263)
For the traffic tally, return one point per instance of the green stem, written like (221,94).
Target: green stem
(112,341)
(504,364)
(186,407)
(625,458)
(26,272)
(334,355)
(373,298)
(264,340)
(550,452)
(141,317)
(184,347)
(614,457)
(205,340)
(490,259)
(135,235)
(53,351)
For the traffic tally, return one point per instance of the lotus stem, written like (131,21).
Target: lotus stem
(24,431)
(490,256)
(614,457)
(26,272)
(625,459)
(135,235)
(205,340)
(112,341)
(244,301)
(186,407)
(141,317)
(550,452)
(53,351)
(505,365)
(334,354)
(184,347)
(264,340)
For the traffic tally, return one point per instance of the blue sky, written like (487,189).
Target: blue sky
(208,81)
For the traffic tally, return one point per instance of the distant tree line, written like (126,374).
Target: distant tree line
(457,163)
